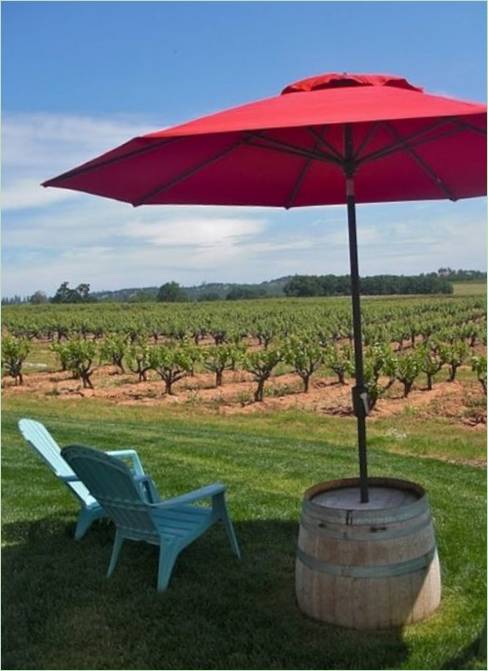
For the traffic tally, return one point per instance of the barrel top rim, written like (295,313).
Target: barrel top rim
(386,482)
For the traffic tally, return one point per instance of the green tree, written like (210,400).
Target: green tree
(260,364)
(431,362)
(390,369)
(339,360)
(374,389)
(472,332)
(454,354)
(138,358)
(14,353)
(66,295)
(194,353)
(265,332)
(478,365)
(305,356)
(379,360)
(407,370)
(220,358)
(303,285)
(80,359)
(171,292)
(38,298)
(170,363)
(113,350)
(245,293)
(62,351)
(83,290)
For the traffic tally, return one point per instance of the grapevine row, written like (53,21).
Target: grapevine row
(304,355)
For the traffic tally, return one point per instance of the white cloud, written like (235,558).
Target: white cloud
(30,140)
(38,146)
(26,193)
(54,234)
(191,231)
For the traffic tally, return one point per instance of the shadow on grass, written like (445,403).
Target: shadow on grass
(473,656)
(60,612)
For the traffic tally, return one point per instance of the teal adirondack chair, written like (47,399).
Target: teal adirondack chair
(39,438)
(172,524)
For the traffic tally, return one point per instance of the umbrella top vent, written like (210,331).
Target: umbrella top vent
(334,80)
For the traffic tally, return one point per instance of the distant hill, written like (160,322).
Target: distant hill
(463,281)
(124,295)
(211,290)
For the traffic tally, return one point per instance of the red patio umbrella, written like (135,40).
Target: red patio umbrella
(334,138)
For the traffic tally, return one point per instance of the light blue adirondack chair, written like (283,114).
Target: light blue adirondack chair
(39,438)
(172,524)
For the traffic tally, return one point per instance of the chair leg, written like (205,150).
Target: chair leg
(223,514)
(85,520)
(231,535)
(118,541)
(167,559)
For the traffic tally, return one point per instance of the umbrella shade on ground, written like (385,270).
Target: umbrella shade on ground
(331,139)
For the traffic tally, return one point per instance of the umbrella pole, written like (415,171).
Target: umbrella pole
(359,391)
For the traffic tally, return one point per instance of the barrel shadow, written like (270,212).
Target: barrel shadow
(59,610)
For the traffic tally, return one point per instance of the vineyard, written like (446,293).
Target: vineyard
(240,355)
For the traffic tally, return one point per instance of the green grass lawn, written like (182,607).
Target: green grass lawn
(60,612)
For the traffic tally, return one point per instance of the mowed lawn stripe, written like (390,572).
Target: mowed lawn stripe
(61,612)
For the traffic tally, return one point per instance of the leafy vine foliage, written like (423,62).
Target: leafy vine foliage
(404,340)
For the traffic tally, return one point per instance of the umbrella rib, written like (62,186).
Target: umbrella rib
(102,164)
(458,127)
(300,179)
(468,126)
(423,164)
(380,153)
(438,136)
(323,141)
(367,139)
(187,173)
(292,152)
(287,148)
(432,138)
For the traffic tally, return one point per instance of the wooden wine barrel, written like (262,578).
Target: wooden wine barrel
(367,566)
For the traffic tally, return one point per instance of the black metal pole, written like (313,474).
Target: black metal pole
(359,391)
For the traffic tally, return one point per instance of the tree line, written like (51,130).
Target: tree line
(299,285)
(377,285)
(462,275)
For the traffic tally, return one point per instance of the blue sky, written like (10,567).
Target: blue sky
(79,78)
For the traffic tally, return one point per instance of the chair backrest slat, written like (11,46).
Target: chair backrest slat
(113,485)
(41,441)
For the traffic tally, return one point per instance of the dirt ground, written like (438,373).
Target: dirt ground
(460,401)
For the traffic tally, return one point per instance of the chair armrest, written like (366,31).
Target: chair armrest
(196,495)
(149,487)
(130,454)
(68,478)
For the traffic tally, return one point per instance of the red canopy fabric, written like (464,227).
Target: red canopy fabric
(289,150)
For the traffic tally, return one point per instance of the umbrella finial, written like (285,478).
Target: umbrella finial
(331,80)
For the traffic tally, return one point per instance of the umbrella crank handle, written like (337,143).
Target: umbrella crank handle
(360,401)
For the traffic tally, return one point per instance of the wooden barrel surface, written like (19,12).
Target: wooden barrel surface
(367,566)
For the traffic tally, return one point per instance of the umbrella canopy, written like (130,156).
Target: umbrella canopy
(289,150)
(335,138)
